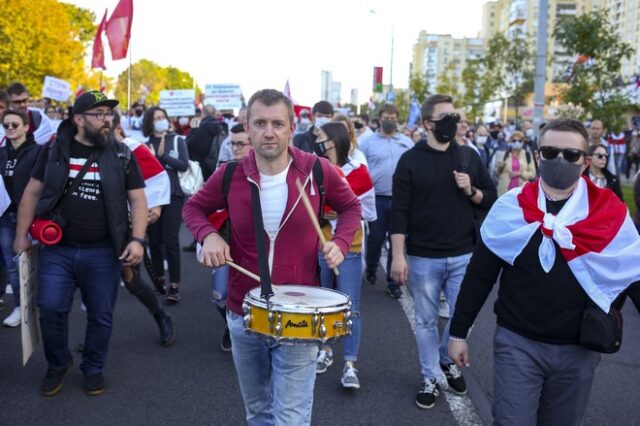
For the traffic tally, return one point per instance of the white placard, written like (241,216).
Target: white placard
(29,320)
(56,89)
(223,96)
(178,102)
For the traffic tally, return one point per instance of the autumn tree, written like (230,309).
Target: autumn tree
(43,37)
(594,83)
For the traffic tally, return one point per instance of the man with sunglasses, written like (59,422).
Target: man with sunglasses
(439,187)
(39,124)
(556,244)
(85,182)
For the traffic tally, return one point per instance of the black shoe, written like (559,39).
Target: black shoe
(167,327)
(190,247)
(52,382)
(173,295)
(93,384)
(427,395)
(454,378)
(394,291)
(225,341)
(371,278)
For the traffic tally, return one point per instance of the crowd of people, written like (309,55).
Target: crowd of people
(458,206)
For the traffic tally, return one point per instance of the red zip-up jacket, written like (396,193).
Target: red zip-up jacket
(293,253)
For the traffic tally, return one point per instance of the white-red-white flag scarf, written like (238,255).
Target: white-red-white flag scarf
(593,229)
(157,186)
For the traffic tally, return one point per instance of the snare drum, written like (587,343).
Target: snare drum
(298,314)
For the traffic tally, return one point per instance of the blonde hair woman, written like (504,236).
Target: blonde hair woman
(516,167)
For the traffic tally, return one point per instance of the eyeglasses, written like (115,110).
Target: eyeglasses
(451,116)
(100,116)
(12,125)
(601,156)
(516,140)
(239,145)
(20,101)
(570,154)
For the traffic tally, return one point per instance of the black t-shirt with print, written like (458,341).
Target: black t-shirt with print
(85,210)
(12,160)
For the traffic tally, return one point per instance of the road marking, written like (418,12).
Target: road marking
(460,406)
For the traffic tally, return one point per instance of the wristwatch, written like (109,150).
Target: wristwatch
(142,241)
(474,191)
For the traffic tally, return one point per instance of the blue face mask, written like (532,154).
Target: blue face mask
(161,126)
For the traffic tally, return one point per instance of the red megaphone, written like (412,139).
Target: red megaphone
(46,231)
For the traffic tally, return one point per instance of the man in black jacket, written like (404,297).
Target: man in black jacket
(559,245)
(322,113)
(439,191)
(95,218)
(204,141)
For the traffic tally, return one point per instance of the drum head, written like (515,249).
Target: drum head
(301,297)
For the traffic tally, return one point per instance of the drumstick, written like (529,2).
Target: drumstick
(312,216)
(244,271)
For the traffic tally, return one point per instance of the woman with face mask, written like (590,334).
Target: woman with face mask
(516,167)
(172,153)
(334,144)
(597,171)
(354,152)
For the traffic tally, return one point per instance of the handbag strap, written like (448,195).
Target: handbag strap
(78,179)
(261,247)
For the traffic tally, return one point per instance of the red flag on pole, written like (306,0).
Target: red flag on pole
(119,29)
(97,61)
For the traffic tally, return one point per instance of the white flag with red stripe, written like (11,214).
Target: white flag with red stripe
(157,185)
(5,201)
(593,229)
(361,184)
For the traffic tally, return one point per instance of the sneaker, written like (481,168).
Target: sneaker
(325,359)
(52,382)
(371,278)
(394,291)
(167,328)
(225,341)
(93,384)
(454,378)
(173,295)
(443,310)
(350,378)
(13,320)
(428,393)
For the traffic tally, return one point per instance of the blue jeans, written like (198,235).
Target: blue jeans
(427,277)
(96,272)
(276,380)
(7,236)
(378,230)
(348,282)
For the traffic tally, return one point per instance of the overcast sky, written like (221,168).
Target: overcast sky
(260,44)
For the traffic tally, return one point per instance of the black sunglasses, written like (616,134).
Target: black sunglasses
(451,116)
(601,156)
(570,154)
(12,125)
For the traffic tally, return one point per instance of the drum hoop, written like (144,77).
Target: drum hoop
(300,309)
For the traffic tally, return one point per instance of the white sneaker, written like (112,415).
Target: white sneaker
(324,361)
(13,320)
(443,310)
(350,378)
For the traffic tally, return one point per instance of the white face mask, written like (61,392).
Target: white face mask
(516,145)
(304,122)
(529,133)
(321,121)
(161,126)
(183,121)
(481,140)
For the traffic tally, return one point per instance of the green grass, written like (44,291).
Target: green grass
(627,192)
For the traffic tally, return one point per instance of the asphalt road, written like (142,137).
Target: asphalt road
(194,383)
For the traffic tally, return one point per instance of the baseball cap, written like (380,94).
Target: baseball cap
(92,99)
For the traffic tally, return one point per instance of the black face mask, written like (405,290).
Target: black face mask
(389,127)
(320,148)
(446,128)
(358,125)
(559,173)
(138,113)
(494,134)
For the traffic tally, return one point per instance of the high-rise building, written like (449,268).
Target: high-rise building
(329,89)
(433,54)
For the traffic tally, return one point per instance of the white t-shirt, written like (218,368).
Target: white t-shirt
(273,199)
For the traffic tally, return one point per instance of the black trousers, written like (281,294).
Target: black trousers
(143,292)
(164,241)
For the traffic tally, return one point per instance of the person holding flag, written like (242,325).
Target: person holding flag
(561,245)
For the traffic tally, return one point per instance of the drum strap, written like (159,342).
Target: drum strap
(261,246)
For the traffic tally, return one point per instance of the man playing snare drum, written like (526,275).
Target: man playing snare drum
(276,380)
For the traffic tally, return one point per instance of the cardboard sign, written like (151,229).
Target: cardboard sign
(29,321)
(178,102)
(223,96)
(56,89)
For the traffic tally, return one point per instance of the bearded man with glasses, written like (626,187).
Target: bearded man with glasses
(560,245)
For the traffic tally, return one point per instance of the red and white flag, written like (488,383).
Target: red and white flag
(593,229)
(118,29)
(97,60)
(359,179)
(287,90)
(156,180)
(5,200)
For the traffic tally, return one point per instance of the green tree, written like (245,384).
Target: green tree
(593,85)
(419,86)
(148,79)
(474,97)
(448,83)
(43,37)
